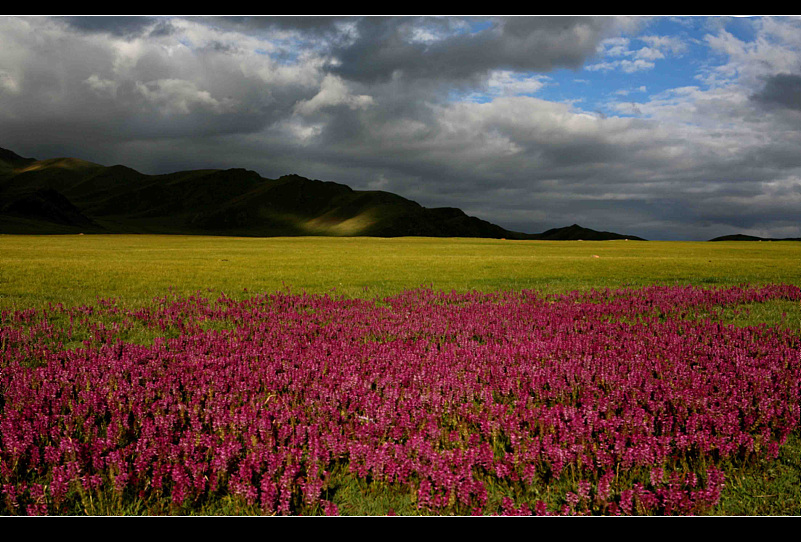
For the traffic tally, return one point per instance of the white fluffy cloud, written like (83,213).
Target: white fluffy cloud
(333,92)
(631,56)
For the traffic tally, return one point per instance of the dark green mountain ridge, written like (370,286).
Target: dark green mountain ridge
(69,195)
(743,237)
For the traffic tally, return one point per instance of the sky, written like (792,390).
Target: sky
(669,128)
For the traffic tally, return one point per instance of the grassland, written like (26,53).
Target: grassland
(74,270)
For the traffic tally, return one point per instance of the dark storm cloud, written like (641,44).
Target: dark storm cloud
(781,90)
(121,26)
(288,22)
(450,49)
(93,80)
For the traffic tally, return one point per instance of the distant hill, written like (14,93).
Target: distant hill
(742,237)
(68,195)
(10,160)
(577,233)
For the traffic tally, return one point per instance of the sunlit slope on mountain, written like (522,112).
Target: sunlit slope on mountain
(68,195)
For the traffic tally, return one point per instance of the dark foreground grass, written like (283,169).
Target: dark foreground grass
(769,488)
(36,271)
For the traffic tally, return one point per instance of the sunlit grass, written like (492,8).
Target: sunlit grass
(76,269)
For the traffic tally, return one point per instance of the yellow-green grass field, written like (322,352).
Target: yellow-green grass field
(78,269)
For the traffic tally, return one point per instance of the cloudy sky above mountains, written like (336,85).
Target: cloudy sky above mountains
(667,128)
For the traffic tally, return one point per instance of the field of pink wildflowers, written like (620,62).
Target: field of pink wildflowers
(601,402)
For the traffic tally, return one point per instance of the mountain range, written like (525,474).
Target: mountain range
(69,195)
(743,237)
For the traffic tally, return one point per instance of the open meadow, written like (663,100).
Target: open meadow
(367,376)
(75,269)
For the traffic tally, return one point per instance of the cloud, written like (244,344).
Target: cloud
(391,47)
(333,92)
(781,90)
(8,83)
(625,65)
(627,91)
(120,26)
(180,97)
(665,45)
(445,110)
(122,81)
(631,60)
